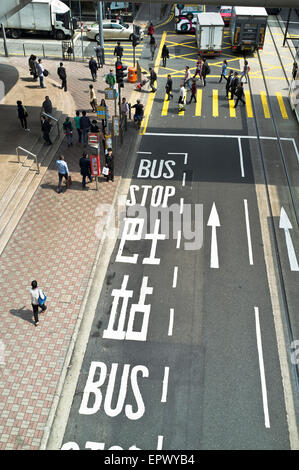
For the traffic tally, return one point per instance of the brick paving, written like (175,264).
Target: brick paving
(54,243)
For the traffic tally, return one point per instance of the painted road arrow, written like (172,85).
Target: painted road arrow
(286,225)
(214,222)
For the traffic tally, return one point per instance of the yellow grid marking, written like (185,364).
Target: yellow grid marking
(282,106)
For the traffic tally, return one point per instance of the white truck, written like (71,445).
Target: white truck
(209,33)
(42,16)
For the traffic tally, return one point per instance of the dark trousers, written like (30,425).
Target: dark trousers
(35,311)
(232,92)
(164,61)
(23,122)
(87,175)
(47,138)
(85,135)
(222,76)
(239,98)
(94,75)
(193,95)
(60,176)
(63,84)
(79,135)
(204,79)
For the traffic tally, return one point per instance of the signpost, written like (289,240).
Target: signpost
(95,164)
(115,126)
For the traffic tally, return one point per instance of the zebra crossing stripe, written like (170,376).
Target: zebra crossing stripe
(198,103)
(281,105)
(265,104)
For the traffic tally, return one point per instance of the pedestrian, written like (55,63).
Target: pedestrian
(205,70)
(103,105)
(93,67)
(22,115)
(223,71)
(94,128)
(85,169)
(46,128)
(139,112)
(99,50)
(198,70)
(63,172)
(193,90)
(182,97)
(68,131)
(233,85)
(32,66)
(245,71)
(110,165)
(61,72)
(150,29)
(118,50)
(240,94)
(40,72)
(125,110)
(294,70)
(47,105)
(153,78)
(153,46)
(228,82)
(108,13)
(168,87)
(110,79)
(93,99)
(77,124)
(187,78)
(165,54)
(84,126)
(38,299)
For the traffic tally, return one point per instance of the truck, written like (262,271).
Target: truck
(248,28)
(43,17)
(209,33)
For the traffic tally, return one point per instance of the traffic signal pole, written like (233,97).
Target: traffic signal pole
(101,34)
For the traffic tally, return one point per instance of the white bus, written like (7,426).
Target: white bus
(185,17)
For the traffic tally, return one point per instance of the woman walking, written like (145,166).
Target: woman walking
(193,90)
(199,69)
(245,71)
(38,299)
(22,115)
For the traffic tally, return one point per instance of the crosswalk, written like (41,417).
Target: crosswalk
(216,110)
(127,57)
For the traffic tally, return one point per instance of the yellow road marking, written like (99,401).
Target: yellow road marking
(198,103)
(165,106)
(232,111)
(265,104)
(248,104)
(215,103)
(282,106)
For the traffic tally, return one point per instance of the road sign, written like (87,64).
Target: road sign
(101,112)
(115,125)
(95,165)
(110,93)
(108,141)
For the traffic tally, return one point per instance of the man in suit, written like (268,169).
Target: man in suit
(234,85)
(85,169)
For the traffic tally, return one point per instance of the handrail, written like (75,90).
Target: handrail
(54,119)
(28,153)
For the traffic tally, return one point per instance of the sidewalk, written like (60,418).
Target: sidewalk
(55,243)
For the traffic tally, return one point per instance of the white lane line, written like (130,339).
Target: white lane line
(262,368)
(165,385)
(181,205)
(248,232)
(182,153)
(178,241)
(147,153)
(296,150)
(160,442)
(184,179)
(175,277)
(171,318)
(241,158)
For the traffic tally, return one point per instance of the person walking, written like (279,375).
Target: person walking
(63,172)
(93,67)
(193,90)
(245,71)
(32,66)
(139,112)
(99,50)
(61,72)
(22,115)
(40,72)
(187,78)
(47,106)
(125,110)
(46,128)
(104,121)
(118,50)
(223,71)
(153,78)
(93,99)
(94,128)
(294,70)
(38,299)
(110,79)
(182,97)
(68,131)
(165,54)
(205,71)
(150,29)
(233,85)
(84,126)
(168,87)
(77,124)
(198,70)
(110,165)
(228,82)
(240,94)
(153,46)
(85,169)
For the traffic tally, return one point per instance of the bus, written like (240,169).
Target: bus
(185,17)
(294,89)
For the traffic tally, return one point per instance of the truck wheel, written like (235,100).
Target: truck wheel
(15,33)
(59,35)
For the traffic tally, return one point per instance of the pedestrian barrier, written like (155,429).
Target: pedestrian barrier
(18,149)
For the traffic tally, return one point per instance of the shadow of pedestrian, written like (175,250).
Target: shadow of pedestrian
(24,314)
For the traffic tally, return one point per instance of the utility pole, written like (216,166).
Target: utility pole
(4,40)
(287,28)
(101,35)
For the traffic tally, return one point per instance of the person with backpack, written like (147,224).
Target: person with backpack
(153,78)
(22,115)
(165,54)
(93,67)
(61,72)
(38,299)
(205,70)
(223,71)
(110,79)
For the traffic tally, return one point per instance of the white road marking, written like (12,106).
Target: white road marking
(285,224)
(147,153)
(248,232)
(184,179)
(171,319)
(160,442)
(241,158)
(181,205)
(175,277)
(214,222)
(165,385)
(262,368)
(179,236)
(182,153)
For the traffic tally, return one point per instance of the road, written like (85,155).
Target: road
(186,347)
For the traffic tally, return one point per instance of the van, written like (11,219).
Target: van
(209,33)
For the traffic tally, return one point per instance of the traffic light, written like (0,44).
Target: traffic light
(120,72)
(135,40)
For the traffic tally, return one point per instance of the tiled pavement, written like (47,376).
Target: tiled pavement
(54,243)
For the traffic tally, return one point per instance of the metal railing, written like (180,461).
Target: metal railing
(27,153)
(54,119)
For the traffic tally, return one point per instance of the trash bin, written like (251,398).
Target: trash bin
(132,74)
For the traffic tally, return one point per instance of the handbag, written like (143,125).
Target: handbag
(42,301)
(46,73)
(69,181)
(105,171)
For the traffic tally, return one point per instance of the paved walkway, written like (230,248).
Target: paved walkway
(54,243)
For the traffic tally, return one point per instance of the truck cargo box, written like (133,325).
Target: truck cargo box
(209,33)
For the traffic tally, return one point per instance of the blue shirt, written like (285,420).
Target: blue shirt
(62,167)
(224,67)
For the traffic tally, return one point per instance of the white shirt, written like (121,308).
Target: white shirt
(182,92)
(35,294)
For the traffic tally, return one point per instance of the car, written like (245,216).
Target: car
(225,13)
(112,29)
